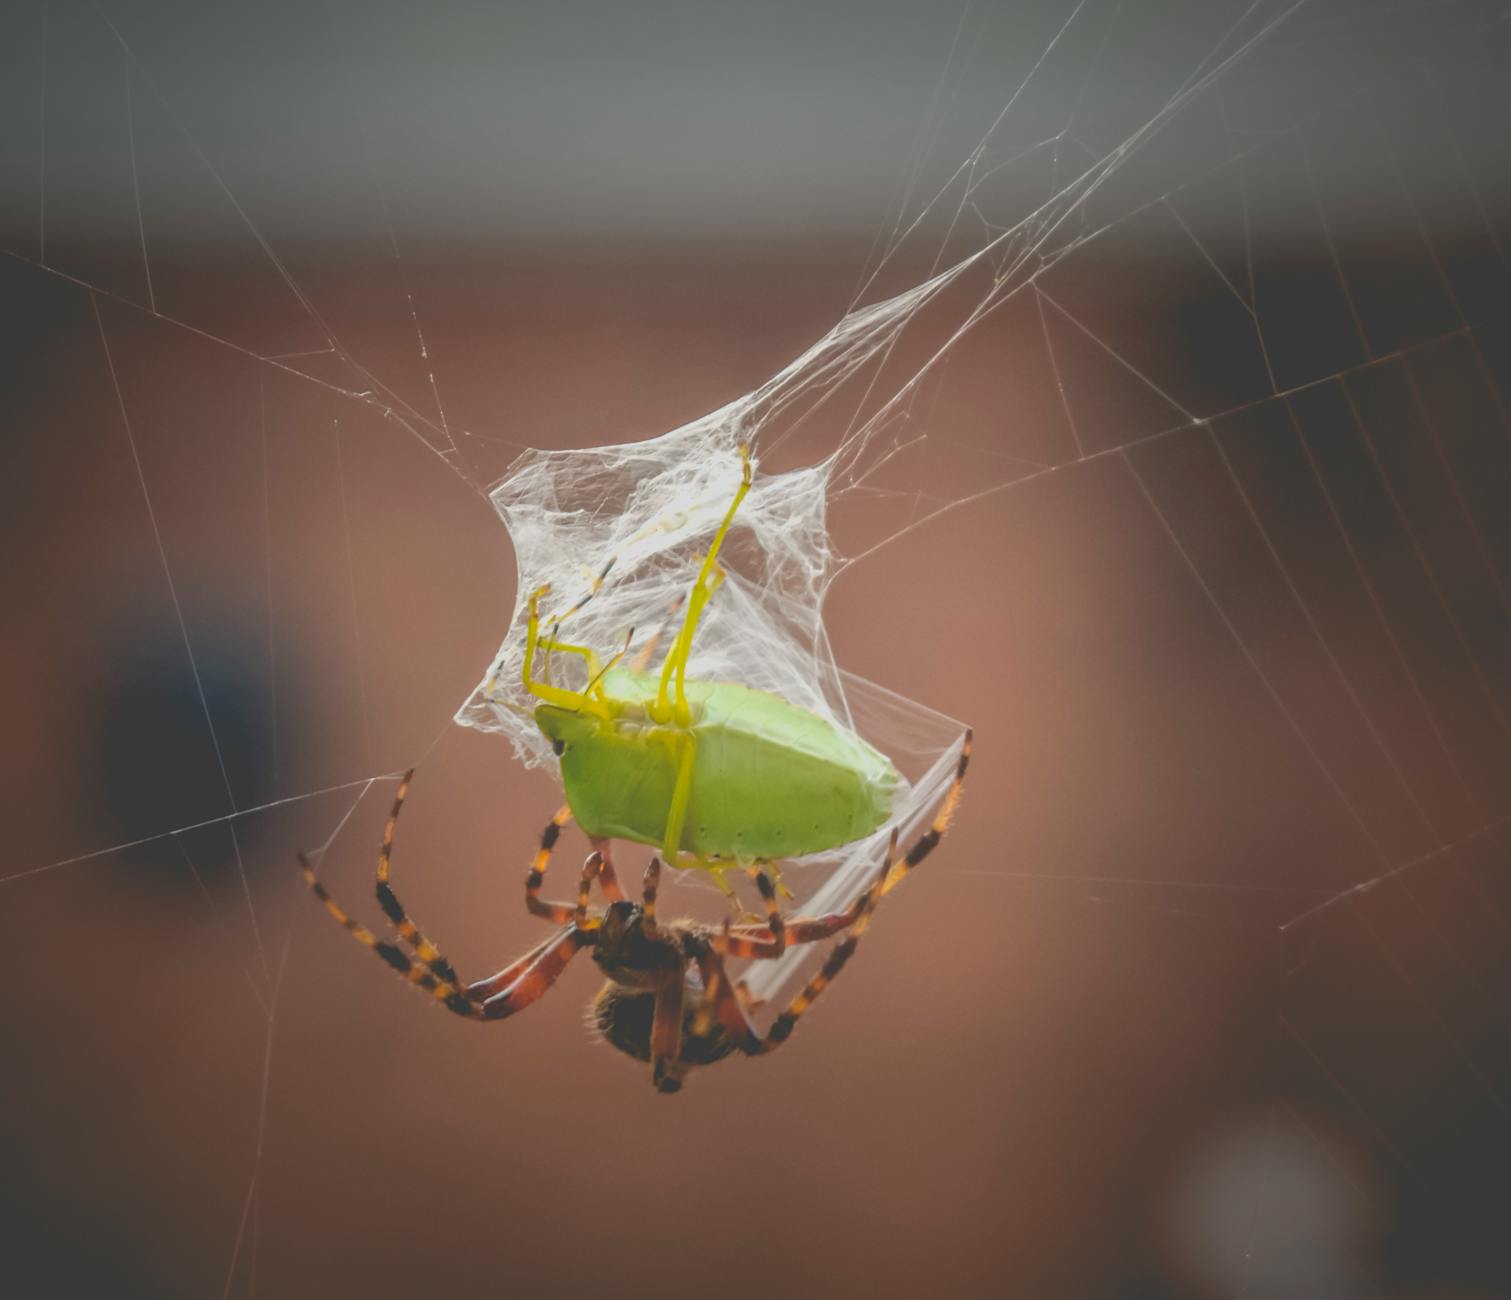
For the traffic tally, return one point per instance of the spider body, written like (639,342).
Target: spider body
(624,1019)
(769,780)
(643,962)
(641,956)
(718,775)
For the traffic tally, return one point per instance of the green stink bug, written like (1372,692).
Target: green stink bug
(714,773)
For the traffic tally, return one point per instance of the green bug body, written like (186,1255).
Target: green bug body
(713,773)
(769,779)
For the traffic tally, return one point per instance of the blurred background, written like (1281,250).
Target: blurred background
(1201,523)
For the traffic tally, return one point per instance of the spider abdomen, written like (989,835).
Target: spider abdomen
(623,1019)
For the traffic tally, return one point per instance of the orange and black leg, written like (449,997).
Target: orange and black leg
(510,991)
(592,869)
(603,868)
(926,843)
(608,879)
(733,943)
(807,929)
(502,996)
(422,976)
(731,1005)
(649,889)
(728,1007)
(523,981)
(561,913)
(481,990)
(666,1035)
(426,951)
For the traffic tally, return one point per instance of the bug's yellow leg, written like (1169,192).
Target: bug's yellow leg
(703,588)
(577,701)
(590,655)
(720,876)
(717,580)
(596,669)
(775,872)
(642,661)
(676,816)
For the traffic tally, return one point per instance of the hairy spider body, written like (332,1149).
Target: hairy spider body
(642,962)
(623,1018)
(718,775)
(640,956)
(769,780)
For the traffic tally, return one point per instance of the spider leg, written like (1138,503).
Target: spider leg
(666,1035)
(507,992)
(721,1004)
(484,989)
(543,972)
(426,951)
(806,929)
(513,988)
(774,945)
(929,840)
(607,880)
(592,867)
(803,929)
(648,898)
(561,913)
(642,661)
(416,973)
(730,1008)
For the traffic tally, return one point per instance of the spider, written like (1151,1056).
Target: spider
(668,998)
(717,775)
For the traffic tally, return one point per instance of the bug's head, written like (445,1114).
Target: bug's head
(564,727)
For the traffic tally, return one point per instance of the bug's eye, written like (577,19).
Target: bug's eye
(559,747)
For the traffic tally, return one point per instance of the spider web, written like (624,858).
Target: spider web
(1165,437)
